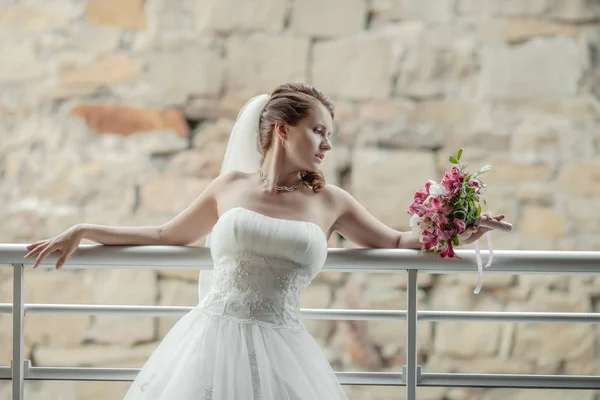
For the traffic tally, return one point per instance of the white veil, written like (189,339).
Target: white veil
(242,154)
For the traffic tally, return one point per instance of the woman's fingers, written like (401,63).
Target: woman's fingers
(36,250)
(48,250)
(61,261)
(34,245)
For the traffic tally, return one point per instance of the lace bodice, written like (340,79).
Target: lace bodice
(261,266)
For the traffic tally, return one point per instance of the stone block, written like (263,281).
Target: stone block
(515,73)
(126,14)
(429,72)
(19,61)
(550,139)
(515,31)
(129,120)
(462,339)
(356,68)
(580,178)
(227,16)
(582,213)
(555,341)
(328,18)
(104,70)
(578,11)
(488,8)
(259,63)
(542,222)
(172,76)
(30,18)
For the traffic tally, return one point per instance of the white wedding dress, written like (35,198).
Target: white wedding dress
(245,340)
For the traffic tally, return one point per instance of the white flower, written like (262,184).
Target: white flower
(414,226)
(436,190)
(418,225)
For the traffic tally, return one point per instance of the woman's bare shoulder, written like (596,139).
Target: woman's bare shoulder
(333,197)
(231,177)
(333,193)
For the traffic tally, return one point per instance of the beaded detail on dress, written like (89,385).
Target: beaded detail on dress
(253,288)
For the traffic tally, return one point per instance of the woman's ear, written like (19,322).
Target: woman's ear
(281,131)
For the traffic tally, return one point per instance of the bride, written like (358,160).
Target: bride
(269,214)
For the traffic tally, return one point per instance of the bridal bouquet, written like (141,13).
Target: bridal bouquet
(442,211)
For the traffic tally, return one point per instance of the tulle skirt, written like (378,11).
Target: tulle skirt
(209,357)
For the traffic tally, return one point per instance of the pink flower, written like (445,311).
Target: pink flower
(430,241)
(439,219)
(459,224)
(448,251)
(453,180)
(419,198)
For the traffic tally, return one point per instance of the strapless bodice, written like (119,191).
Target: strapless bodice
(261,266)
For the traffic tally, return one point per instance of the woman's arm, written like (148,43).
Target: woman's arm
(119,235)
(195,221)
(359,226)
(185,228)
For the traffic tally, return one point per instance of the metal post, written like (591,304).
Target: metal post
(411,337)
(17,363)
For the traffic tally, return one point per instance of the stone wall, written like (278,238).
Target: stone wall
(118,111)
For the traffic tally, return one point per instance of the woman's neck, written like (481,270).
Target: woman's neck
(275,170)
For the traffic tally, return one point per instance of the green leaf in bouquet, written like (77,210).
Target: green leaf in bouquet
(478,210)
(455,240)
(459,154)
(460,214)
(484,169)
(453,160)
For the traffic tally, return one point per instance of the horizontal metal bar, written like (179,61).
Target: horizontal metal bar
(501,316)
(78,309)
(346,260)
(584,382)
(173,311)
(82,374)
(371,378)
(129,374)
(318,314)
(510,381)
(353,314)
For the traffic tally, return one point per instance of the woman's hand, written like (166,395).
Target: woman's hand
(475,232)
(66,242)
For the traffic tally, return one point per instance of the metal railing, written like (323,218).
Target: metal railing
(345,260)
